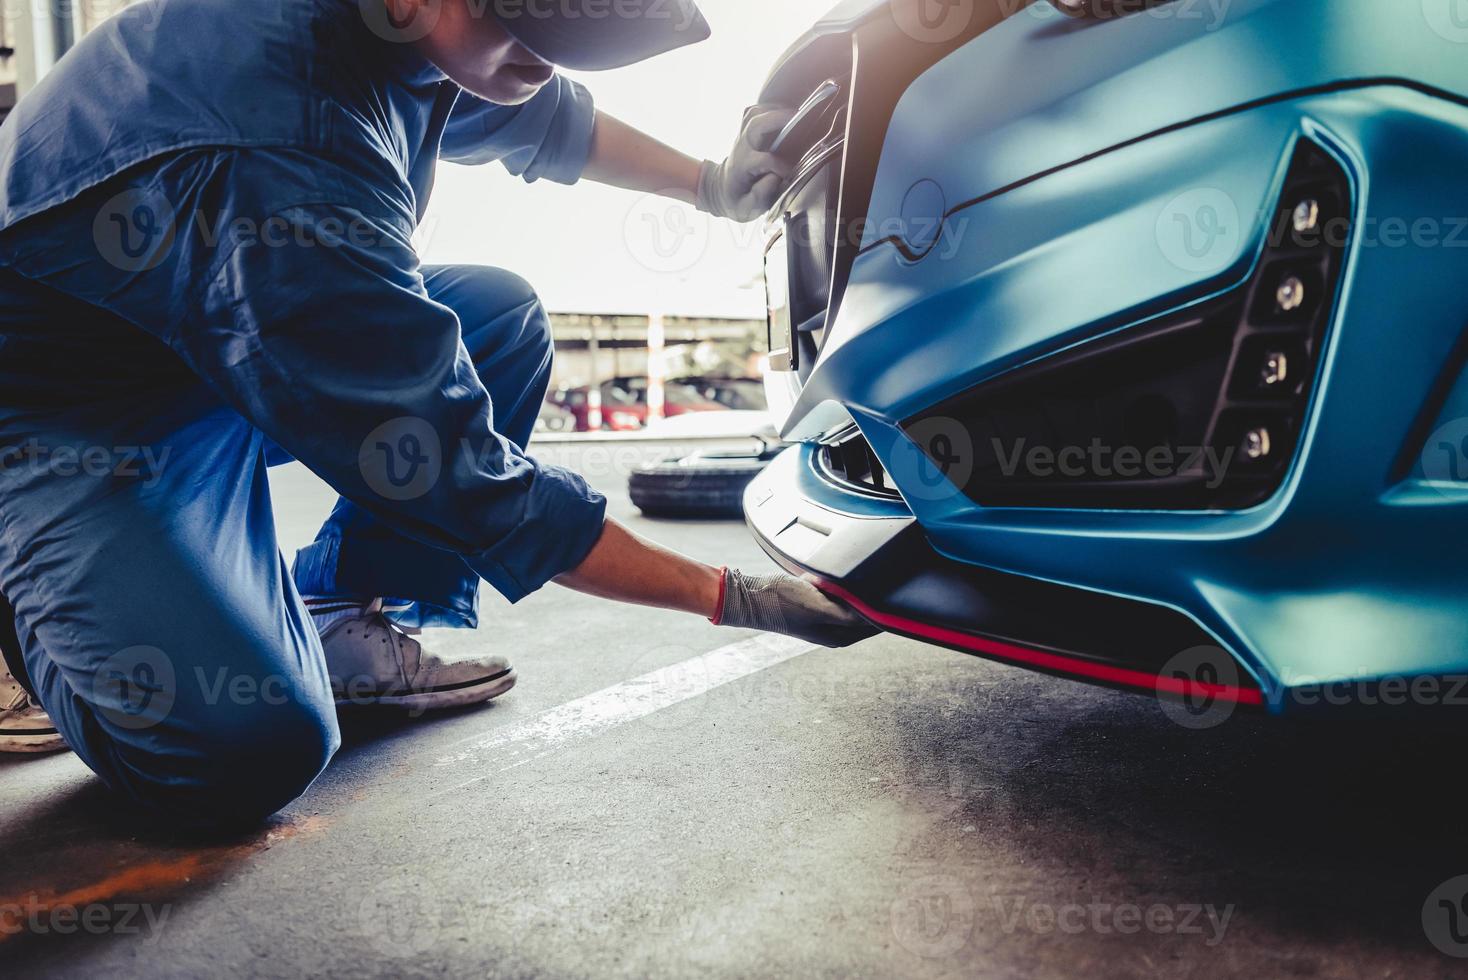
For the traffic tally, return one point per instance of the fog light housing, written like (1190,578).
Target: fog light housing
(1257,444)
(1306,216)
(1276,369)
(1291,294)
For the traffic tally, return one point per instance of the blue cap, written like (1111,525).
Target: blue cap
(594,35)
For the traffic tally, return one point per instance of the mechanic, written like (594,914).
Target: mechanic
(206,267)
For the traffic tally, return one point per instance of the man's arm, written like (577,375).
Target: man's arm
(625,157)
(627,568)
(743,187)
(621,565)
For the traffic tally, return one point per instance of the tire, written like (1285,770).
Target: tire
(701,485)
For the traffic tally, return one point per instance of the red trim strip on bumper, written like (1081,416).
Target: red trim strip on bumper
(1045,660)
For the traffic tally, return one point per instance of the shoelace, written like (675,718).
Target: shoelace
(374,622)
(371,620)
(19,702)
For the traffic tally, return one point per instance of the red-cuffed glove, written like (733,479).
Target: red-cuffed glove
(783,604)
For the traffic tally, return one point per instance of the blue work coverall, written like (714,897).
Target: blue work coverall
(206,266)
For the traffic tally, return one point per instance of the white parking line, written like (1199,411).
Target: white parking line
(597,713)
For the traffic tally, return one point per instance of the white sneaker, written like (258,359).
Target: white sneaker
(372,660)
(24,724)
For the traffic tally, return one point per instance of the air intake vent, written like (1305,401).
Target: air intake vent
(1202,410)
(852,464)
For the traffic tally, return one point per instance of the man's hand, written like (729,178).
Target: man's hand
(742,188)
(627,568)
(782,604)
(747,184)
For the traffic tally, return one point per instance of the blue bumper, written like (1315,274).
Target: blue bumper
(1132,180)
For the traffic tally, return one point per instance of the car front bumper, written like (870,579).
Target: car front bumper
(1083,209)
(870,552)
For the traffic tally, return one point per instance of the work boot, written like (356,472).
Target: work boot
(372,660)
(24,724)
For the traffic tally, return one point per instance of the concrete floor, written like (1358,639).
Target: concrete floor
(888,810)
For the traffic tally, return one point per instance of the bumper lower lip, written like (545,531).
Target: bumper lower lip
(1044,660)
(872,554)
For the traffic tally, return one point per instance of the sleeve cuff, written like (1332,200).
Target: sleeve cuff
(569,144)
(563,521)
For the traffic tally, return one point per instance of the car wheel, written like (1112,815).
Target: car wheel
(701,485)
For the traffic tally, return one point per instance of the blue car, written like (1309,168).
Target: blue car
(1126,340)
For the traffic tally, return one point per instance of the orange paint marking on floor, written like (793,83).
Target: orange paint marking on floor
(150,877)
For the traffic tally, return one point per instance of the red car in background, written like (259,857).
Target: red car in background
(624,403)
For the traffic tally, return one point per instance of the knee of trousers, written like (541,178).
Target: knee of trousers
(508,302)
(234,766)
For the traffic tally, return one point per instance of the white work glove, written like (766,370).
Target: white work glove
(747,184)
(782,604)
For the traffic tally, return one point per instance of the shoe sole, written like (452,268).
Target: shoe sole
(33,744)
(457,697)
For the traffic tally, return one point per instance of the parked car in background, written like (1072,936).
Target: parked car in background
(738,394)
(573,401)
(624,403)
(554,418)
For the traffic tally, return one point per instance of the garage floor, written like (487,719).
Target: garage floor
(662,798)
